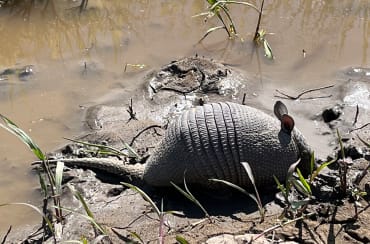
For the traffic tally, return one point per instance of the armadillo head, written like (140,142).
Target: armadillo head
(305,152)
(287,126)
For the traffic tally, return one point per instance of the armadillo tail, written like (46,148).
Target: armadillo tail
(109,165)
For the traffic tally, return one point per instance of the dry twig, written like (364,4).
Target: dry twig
(364,172)
(286,96)
(130,110)
(244,96)
(6,235)
(359,128)
(143,130)
(281,225)
(356,116)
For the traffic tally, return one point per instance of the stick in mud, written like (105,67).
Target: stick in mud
(130,110)
(360,128)
(286,96)
(6,235)
(356,115)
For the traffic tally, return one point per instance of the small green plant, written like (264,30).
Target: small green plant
(45,218)
(54,181)
(89,215)
(260,40)
(315,172)
(256,198)
(221,10)
(260,36)
(191,197)
(160,213)
(301,185)
(293,207)
(108,150)
(343,166)
(357,195)
(181,240)
(52,188)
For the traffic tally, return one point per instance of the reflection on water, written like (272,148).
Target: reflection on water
(57,29)
(77,57)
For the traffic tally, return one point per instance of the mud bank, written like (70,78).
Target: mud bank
(139,119)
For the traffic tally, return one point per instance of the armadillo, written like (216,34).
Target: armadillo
(211,141)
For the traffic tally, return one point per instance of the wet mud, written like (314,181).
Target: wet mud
(334,212)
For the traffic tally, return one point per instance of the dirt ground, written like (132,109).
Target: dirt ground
(332,215)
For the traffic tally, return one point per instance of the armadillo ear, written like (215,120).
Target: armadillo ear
(280,109)
(287,123)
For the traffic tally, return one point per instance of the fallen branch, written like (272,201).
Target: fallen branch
(286,96)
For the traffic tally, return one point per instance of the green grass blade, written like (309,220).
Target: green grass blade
(131,151)
(210,30)
(312,162)
(236,187)
(59,178)
(290,174)
(104,148)
(193,197)
(267,49)
(190,196)
(279,185)
(300,187)
(15,130)
(181,240)
(248,169)
(321,167)
(83,202)
(136,236)
(341,144)
(217,3)
(87,217)
(211,2)
(304,182)
(34,208)
(43,186)
(145,196)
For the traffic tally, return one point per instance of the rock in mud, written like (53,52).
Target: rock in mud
(331,114)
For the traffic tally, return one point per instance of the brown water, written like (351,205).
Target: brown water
(59,41)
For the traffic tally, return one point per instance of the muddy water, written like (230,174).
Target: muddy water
(79,57)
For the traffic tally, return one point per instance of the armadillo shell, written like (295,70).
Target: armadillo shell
(211,142)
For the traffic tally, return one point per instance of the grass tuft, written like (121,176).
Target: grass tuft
(190,196)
